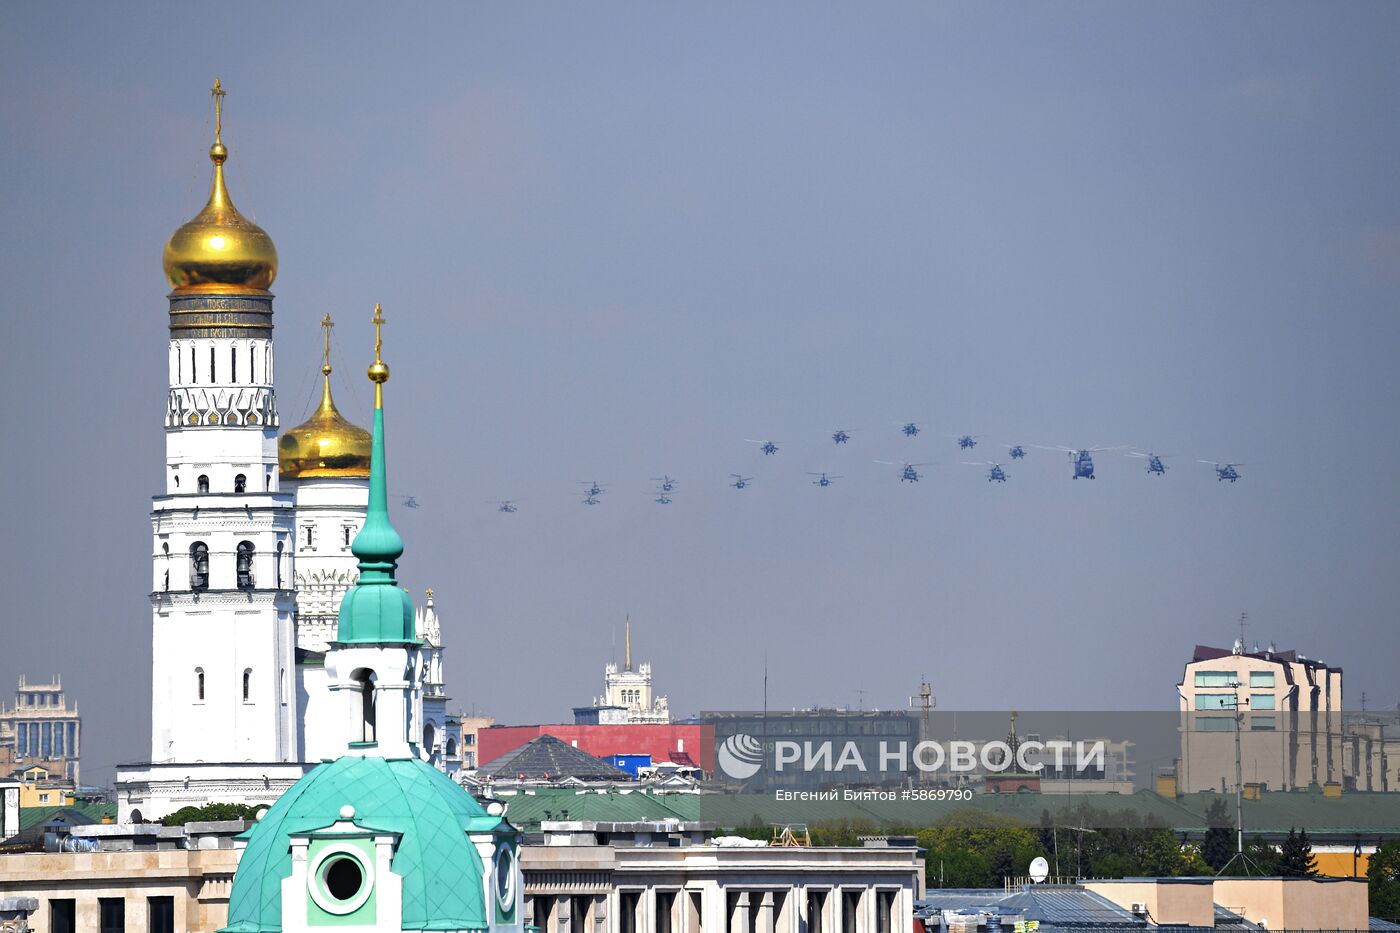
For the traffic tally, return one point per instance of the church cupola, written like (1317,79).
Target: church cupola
(220,251)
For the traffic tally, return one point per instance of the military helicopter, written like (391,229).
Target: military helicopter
(841,436)
(1154,462)
(506,505)
(410,502)
(740,481)
(667,484)
(909,429)
(591,499)
(1224,471)
(1016,450)
(663,498)
(769,448)
(593,488)
(967,442)
(908,473)
(1083,458)
(822,479)
(995,474)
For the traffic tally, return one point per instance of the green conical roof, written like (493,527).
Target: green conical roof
(376,610)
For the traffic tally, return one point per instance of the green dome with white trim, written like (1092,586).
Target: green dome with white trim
(431,816)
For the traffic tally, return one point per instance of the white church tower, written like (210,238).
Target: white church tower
(224,722)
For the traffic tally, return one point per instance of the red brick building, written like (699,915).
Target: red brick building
(688,743)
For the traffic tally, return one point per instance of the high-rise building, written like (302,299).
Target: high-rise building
(1290,720)
(41,729)
(627,695)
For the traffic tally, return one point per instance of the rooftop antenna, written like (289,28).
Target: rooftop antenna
(1245,860)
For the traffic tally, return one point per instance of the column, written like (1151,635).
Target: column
(764,920)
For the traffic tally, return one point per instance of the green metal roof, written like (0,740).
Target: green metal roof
(32,816)
(440,867)
(376,610)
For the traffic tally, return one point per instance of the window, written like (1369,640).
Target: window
(1215,723)
(212,377)
(1215,701)
(194,370)
(111,914)
(1214,678)
(252,372)
(1261,701)
(160,913)
(348,529)
(451,748)
(1262,723)
(850,911)
(199,566)
(199,684)
(62,915)
(279,565)
(309,533)
(245,565)
(233,364)
(240,483)
(202,484)
(282,685)
(1261,678)
(247,684)
(365,678)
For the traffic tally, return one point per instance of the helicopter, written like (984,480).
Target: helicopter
(410,502)
(908,473)
(909,429)
(591,499)
(740,481)
(667,484)
(769,448)
(841,436)
(967,442)
(662,498)
(593,488)
(1154,462)
(822,479)
(1224,471)
(995,474)
(506,505)
(1083,458)
(1016,451)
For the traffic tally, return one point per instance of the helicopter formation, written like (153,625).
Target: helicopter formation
(1081,460)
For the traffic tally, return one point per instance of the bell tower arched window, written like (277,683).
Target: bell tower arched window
(199,566)
(202,484)
(245,565)
(240,483)
(365,679)
(279,566)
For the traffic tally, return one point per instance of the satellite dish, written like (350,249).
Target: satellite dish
(1040,869)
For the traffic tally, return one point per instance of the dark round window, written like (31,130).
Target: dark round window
(343,878)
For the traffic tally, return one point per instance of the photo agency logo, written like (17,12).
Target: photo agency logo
(741,756)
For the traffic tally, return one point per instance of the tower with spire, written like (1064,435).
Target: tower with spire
(223,711)
(627,693)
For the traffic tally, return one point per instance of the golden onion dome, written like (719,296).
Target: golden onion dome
(325,445)
(220,250)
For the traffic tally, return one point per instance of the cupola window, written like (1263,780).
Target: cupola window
(240,483)
(365,679)
(199,566)
(202,484)
(245,565)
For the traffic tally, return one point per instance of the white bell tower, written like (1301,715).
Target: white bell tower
(223,710)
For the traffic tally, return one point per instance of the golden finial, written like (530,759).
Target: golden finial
(218,152)
(378,370)
(430,592)
(326,325)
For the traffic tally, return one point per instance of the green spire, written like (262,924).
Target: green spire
(376,610)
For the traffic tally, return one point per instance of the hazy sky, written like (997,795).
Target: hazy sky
(613,241)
